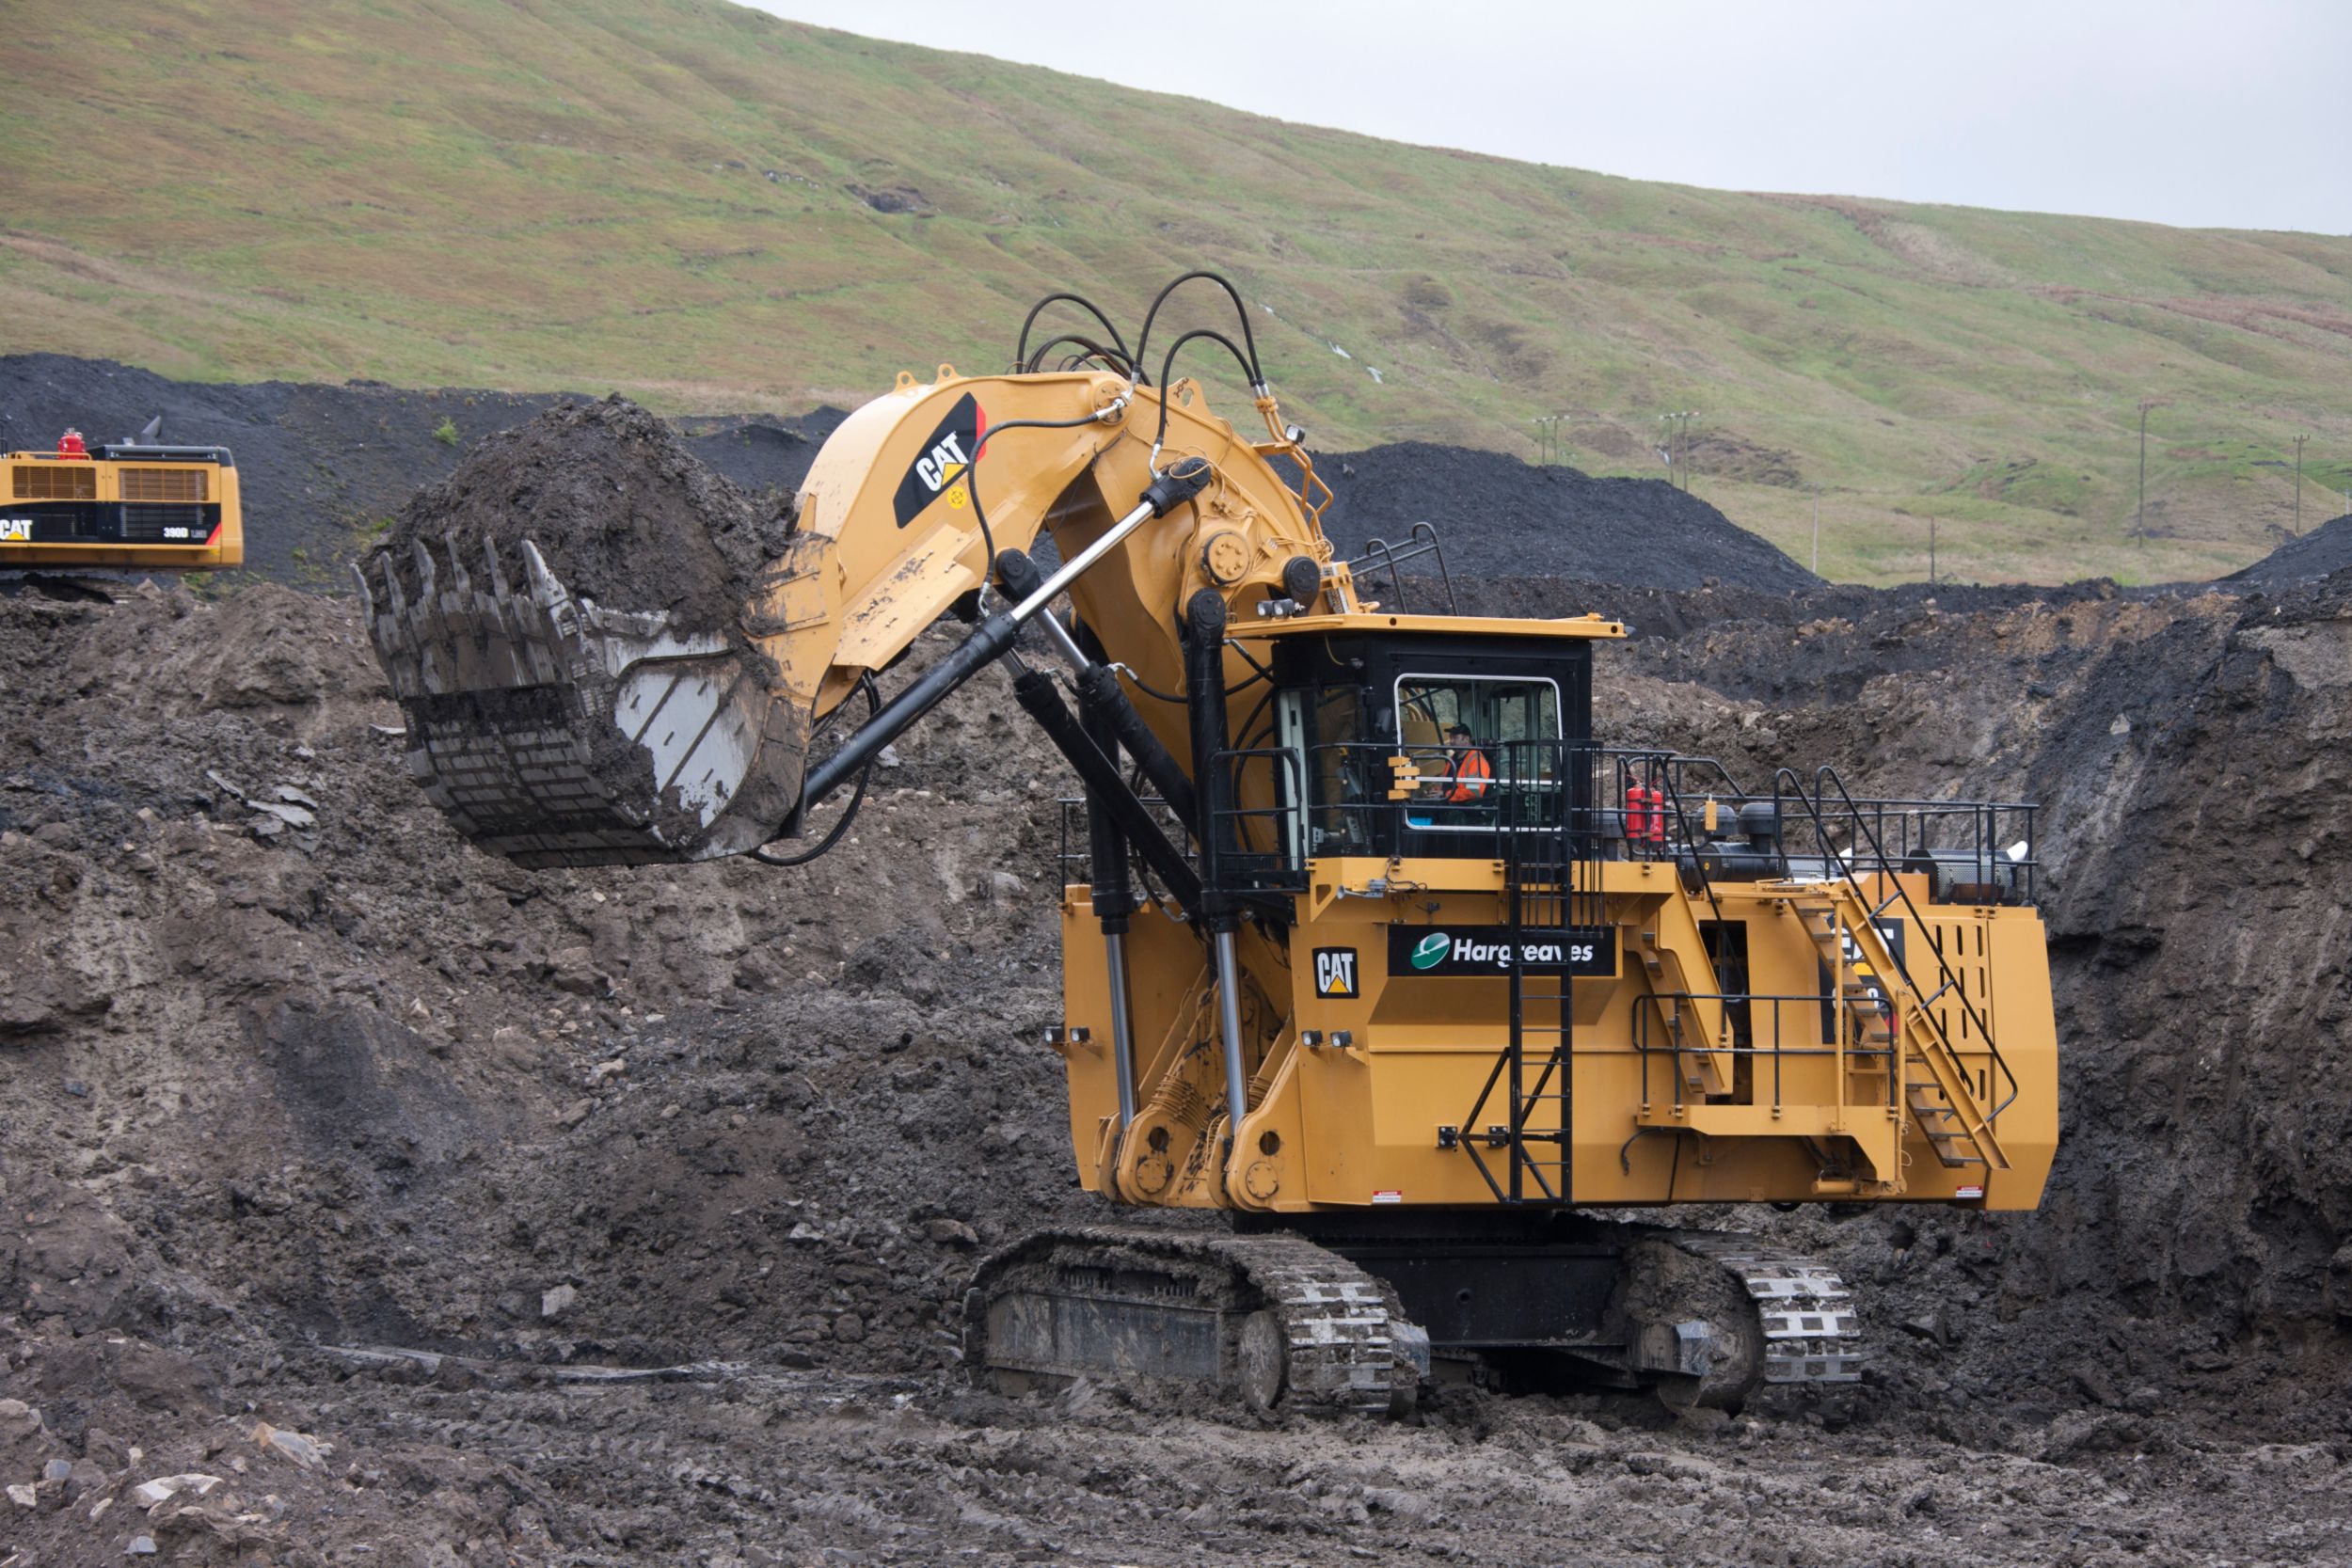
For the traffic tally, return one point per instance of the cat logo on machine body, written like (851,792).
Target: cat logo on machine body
(942,462)
(1335,974)
(16,530)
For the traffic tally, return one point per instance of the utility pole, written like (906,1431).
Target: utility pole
(1930,549)
(1817,528)
(1677,425)
(2299,439)
(2139,522)
(1545,426)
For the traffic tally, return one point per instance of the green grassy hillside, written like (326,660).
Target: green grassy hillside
(683,200)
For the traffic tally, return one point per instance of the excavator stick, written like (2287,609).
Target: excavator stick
(555,732)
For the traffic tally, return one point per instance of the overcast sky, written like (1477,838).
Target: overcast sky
(2191,112)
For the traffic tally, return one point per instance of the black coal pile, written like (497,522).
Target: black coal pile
(323,468)
(1497,517)
(2326,549)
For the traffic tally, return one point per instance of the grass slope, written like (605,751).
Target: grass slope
(680,199)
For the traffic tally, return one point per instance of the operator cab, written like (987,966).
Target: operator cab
(1431,744)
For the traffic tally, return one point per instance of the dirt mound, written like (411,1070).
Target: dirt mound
(2326,549)
(1497,517)
(621,511)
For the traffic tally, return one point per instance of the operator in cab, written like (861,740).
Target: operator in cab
(1468,772)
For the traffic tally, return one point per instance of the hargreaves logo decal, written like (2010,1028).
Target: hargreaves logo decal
(940,467)
(1460,951)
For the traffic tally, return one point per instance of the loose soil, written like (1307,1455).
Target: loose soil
(325,469)
(288,1072)
(1499,516)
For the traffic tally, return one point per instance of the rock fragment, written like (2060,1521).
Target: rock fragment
(152,1495)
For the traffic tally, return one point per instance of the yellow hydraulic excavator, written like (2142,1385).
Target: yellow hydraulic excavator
(1368,943)
(133,505)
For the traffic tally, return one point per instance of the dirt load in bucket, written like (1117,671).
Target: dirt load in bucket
(622,513)
(595,701)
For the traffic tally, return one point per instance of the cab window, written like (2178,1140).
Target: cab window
(1496,710)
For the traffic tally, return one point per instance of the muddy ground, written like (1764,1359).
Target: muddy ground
(287,1068)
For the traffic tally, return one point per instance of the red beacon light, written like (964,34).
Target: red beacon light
(71,445)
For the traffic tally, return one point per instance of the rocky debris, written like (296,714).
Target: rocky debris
(152,1495)
(299,1448)
(382,1092)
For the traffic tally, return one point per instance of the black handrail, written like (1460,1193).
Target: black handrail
(1646,1047)
(1421,541)
(1813,805)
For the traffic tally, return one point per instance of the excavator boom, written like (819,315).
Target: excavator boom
(556,731)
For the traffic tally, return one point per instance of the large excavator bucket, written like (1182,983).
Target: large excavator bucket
(556,732)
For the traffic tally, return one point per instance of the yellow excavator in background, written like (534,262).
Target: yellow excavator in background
(1368,944)
(130,506)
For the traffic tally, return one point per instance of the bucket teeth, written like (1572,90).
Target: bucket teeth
(424,572)
(497,572)
(457,568)
(544,588)
(557,733)
(392,600)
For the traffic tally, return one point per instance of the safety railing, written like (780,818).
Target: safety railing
(1260,846)
(1379,554)
(1828,808)
(1972,851)
(1593,802)
(1654,1034)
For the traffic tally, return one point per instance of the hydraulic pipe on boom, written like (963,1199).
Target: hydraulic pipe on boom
(1204,695)
(989,641)
(1113,899)
(1099,696)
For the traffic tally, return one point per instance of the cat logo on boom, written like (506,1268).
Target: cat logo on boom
(16,530)
(943,461)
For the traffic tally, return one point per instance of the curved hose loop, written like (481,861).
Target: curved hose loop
(1021,350)
(1143,340)
(1159,437)
(857,797)
(1111,356)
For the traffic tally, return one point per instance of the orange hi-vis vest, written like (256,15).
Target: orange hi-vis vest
(1471,774)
